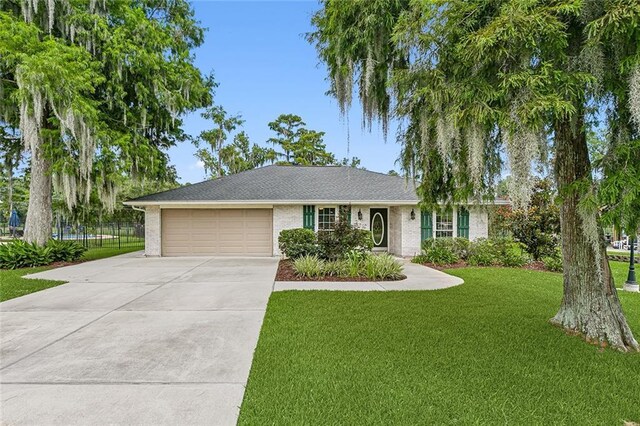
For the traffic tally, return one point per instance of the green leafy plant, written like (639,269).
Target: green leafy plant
(20,254)
(336,268)
(514,256)
(354,260)
(461,247)
(65,251)
(440,251)
(497,251)
(308,266)
(553,262)
(295,243)
(382,267)
(344,238)
(421,258)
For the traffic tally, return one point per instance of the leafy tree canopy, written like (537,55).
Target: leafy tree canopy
(470,80)
(97,89)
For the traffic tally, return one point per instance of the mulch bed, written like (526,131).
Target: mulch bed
(286,273)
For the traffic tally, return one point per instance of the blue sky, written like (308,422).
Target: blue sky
(265,67)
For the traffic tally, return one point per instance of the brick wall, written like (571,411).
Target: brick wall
(395,230)
(285,217)
(478,222)
(152,231)
(410,231)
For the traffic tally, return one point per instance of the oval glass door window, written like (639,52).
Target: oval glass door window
(377,229)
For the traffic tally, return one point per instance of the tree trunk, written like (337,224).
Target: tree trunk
(37,227)
(590,305)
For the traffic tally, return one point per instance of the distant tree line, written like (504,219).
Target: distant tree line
(225,149)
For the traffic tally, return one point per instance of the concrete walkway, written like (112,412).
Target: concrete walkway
(133,340)
(418,278)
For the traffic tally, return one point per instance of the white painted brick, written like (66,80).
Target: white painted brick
(152,231)
(411,230)
(478,223)
(361,224)
(395,230)
(285,217)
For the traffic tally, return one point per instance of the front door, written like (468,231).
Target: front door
(379,227)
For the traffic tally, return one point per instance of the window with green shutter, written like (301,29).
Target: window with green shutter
(463,222)
(309,217)
(426,220)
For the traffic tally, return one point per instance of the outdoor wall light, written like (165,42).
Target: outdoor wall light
(359,214)
(413,214)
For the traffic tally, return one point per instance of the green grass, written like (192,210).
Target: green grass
(480,353)
(12,283)
(101,253)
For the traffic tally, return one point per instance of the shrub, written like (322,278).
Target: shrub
(295,243)
(421,258)
(461,247)
(308,266)
(514,256)
(553,262)
(382,267)
(20,254)
(440,251)
(344,238)
(353,262)
(65,251)
(536,226)
(497,251)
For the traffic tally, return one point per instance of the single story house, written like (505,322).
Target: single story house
(243,214)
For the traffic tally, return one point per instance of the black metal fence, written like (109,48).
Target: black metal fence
(111,235)
(117,235)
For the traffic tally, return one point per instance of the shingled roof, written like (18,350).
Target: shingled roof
(292,184)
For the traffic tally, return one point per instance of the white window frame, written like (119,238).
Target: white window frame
(437,229)
(335,218)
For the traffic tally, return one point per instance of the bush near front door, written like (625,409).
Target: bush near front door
(327,244)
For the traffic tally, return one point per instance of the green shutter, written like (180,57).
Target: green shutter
(463,222)
(426,220)
(309,217)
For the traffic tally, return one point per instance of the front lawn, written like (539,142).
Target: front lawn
(480,353)
(13,285)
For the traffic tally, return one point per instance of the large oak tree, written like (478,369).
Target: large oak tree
(97,89)
(469,79)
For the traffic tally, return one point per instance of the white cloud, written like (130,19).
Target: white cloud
(197,165)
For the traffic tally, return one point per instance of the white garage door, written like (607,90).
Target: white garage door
(217,232)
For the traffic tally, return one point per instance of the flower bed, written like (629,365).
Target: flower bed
(286,272)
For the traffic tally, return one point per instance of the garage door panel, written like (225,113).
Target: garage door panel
(211,232)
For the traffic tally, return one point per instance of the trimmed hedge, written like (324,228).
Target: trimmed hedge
(299,242)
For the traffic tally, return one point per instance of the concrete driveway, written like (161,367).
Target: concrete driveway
(133,340)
